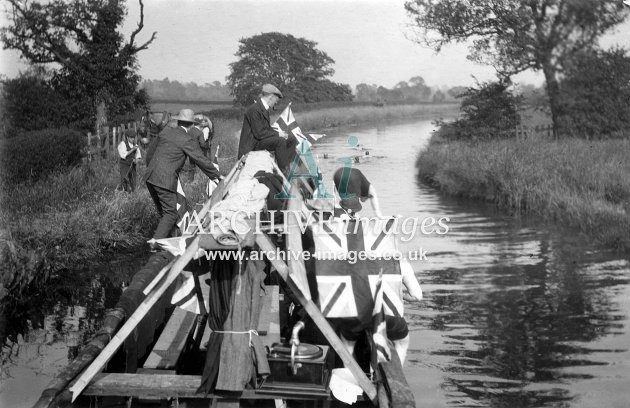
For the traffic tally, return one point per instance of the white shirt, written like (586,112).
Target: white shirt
(264,103)
(123,152)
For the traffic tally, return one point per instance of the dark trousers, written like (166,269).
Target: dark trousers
(166,204)
(128,176)
(283,148)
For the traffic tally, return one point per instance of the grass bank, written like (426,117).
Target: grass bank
(579,183)
(68,220)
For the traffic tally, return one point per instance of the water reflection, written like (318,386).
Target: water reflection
(55,323)
(517,313)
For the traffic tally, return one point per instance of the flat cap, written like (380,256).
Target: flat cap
(270,89)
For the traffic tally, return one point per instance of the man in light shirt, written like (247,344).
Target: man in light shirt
(129,155)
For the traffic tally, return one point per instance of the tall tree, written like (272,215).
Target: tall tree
(516,35)
(293,64)
(95,65)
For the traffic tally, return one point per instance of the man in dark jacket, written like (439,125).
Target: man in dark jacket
(165,159)
(257,133)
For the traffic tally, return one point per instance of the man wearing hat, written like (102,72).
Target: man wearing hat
(129,155)
(257,133)
(203,130)
(165,159)
(353,188)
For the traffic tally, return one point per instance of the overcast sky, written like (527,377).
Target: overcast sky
(368,39)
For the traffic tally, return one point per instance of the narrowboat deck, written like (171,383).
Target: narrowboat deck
(131,364)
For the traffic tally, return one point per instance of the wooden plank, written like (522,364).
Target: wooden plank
(170,345)
(165,386)
(269,323)
(98,364)
(265,312)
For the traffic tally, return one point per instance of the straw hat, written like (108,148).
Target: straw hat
(185,115)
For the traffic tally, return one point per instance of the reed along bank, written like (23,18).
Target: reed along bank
(575,182)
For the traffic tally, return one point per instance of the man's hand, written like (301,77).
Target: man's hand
(283,134)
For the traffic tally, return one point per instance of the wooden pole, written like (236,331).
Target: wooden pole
(115,137)
(144,307)
(107,144)
(89,146)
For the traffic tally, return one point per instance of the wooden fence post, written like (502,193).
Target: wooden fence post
(106,148)
(89,147)
(115,136)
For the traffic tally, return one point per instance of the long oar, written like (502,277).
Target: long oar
(144,307)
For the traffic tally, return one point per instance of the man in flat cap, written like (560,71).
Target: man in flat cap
(165,158)
(257,133)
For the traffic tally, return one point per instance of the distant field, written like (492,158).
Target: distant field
(197,106)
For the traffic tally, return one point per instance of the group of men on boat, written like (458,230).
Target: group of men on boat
(166,157)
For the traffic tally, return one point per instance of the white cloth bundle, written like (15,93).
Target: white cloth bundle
(246,198)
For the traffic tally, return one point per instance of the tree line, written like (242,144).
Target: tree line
(166,89)
(84,69)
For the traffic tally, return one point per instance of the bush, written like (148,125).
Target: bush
(35,154)
(30,103)
(489,111)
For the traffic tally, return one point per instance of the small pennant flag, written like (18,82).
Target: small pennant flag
(379,331)
(286,122)
(316,136)
(182,208)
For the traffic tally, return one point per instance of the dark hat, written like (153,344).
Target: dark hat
(270,89)
(130,133)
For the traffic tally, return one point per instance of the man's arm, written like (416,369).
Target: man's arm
(261,127)
(151,150)
(193,151)
(374,201)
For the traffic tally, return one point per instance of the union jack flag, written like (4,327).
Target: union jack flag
(190,292)
(286,121)
(379,330)
(347,286)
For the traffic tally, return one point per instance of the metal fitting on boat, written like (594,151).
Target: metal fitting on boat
(295,342)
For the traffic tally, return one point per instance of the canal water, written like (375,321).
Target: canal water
(516,312)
